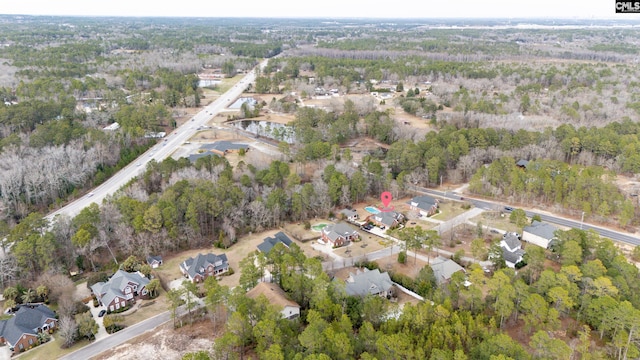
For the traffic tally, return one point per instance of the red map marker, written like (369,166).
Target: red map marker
(386,198)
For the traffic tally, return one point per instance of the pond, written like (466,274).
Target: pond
(269,129)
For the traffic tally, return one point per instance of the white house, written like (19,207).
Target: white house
(511,249)
(539,233)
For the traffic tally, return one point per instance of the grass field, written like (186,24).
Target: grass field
(51,350)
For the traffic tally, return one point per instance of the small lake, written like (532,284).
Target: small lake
(269,129)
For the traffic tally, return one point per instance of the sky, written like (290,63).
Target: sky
(320,8)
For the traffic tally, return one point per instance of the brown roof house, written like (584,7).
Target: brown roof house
(20,332)
(339,234)
(276,296)
(202,266)
(121,289)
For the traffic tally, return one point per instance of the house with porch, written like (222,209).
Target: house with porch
(276,296)
(539,233)
(120,290)
(512,251)
(386,219)
(202,266)
(424,204)
(369,282)
(339,234)
(20,332)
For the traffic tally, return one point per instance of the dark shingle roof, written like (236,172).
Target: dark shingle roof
(368,282)
(27,320)
(151,259)
(107,291)
(194,266)
(223,146)
(335,231)
(269,242)
(511,239)
(541,229)
(423,202)
(512,257)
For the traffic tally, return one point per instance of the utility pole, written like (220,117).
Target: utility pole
(582,220)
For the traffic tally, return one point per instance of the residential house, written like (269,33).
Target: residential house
(369,282)
(387,219)
(512,251)
(20,332)
(350,215)
(276,296)
(426,205)
(339,234)
(443,269)
(539,233)
(269,242)
(154,261)
(202,266)
(120,290)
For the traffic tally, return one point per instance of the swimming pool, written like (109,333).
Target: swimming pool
(318,227)
(372,209)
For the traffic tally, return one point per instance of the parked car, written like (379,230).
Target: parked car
(101,313)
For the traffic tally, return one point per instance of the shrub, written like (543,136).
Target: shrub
(371,265)
(403,280)
(402,257)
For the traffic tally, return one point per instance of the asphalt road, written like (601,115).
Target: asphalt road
(160,151)
(489,205)
(118,338)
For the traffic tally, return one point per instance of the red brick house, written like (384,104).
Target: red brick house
(20,332)
(202,266)
(339,234)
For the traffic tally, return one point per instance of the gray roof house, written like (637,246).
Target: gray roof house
(387,219)
(425,204)
(339,234)
(120,289)
(366,282)
(269,242)
(522,163)
(512,252)
(350,214)
(154,261)
(539,233)
(202,266)
(444,268)
(21,330)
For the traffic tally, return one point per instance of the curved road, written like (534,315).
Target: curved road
(160,151)
(489,205)
(118,338)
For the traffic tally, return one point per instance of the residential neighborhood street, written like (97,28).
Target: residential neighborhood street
(118,338)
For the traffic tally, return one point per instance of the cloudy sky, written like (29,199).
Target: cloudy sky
(319,8)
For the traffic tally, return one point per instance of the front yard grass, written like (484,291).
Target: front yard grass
(497,221)
(143,313)
(51,350)
(449,209)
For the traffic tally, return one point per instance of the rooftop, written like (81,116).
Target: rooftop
(541,229)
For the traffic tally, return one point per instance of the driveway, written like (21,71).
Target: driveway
(102,332)
(5,353)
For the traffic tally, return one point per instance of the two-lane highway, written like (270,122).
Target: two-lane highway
(160,151)
(489,205)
